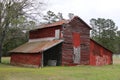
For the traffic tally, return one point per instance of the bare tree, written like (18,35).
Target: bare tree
(10,13)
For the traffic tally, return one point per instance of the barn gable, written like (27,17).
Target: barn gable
(80,22)
(76,42)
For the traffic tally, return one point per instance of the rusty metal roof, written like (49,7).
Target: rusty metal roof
(54,24)
(60,23)
(36,47)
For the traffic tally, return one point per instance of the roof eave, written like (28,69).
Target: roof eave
(101,45)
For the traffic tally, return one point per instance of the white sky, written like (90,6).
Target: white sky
(87,9)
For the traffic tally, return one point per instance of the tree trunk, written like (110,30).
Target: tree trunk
(0,52)
(1,42)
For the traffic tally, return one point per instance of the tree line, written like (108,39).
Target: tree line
(106,33)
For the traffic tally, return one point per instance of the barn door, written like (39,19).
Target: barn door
(76,47)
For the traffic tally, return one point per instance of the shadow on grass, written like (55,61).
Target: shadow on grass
(6,64)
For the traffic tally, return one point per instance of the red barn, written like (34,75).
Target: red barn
(66,42)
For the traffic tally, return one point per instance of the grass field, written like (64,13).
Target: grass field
(109,72)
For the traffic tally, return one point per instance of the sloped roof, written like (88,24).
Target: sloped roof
(58,23)
(54,24)
(61,23)
(100,45)
(36,47)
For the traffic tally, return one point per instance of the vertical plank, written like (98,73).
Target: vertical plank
(76,47)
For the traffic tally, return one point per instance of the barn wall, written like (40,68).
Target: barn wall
(43,33)
(67,47)
(78,27)
(99,55)
(28,59)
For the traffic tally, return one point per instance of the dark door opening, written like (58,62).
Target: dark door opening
(53,54)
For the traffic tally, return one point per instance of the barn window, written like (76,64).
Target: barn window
(57,34)
(76,47)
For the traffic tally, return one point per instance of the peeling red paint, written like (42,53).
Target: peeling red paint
(33,60)
(99,55)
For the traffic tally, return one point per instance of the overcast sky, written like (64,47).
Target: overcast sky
(87,9)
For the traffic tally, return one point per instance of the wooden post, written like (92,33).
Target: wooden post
(42,60)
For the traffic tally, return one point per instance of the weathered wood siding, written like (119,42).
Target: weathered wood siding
(27,59)
(99,55)
(43,33)
(67,49)
(77,26)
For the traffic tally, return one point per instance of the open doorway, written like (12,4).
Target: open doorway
(53,54)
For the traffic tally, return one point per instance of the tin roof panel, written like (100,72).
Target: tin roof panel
(36,47)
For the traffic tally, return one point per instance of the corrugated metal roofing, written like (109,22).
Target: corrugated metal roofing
(60,23)
(36,47)
(52,24)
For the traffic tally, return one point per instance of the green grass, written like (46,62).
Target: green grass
(109,72)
